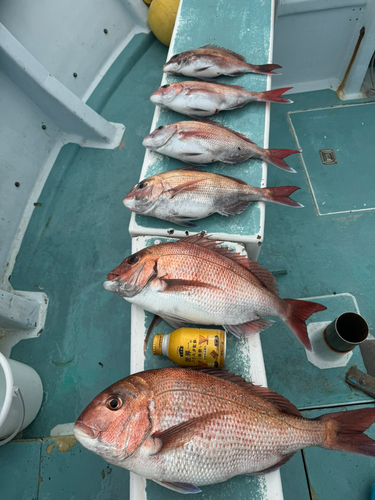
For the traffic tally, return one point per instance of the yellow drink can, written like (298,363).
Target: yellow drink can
(192,347)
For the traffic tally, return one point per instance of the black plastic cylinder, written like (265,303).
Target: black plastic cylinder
(347,331)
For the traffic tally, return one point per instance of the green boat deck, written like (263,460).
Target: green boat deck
(80,232)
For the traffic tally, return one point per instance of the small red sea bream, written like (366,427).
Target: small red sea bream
(195,280)
(205,141)
(184,428)
(200,99)
(211,61)
(185,195)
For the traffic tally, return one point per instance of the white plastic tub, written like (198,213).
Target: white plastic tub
(21,394)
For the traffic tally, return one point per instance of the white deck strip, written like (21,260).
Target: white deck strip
(251,351)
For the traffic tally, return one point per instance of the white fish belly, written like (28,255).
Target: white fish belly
(187,150)
(187,306)
(195,105)
(177,207)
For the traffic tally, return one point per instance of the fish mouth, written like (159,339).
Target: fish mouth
(149,141)
(169,71)
(171,67)
(127,289)
(138,203)
(82,430)
(156,98)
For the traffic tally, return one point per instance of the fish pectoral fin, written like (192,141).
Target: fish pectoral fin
(199,110)
(180,434)
(175,321)
(186,155)
(178,285)
(184,488)
(276,466)
(198,70)
(255,326)
(180,187)
(236,208)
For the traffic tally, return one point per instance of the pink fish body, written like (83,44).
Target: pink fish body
(184,428)
(194,280)
(185,195)
(198,98)
(205,142)
(211,61)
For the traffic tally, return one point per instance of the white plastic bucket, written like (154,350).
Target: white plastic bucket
(21,394)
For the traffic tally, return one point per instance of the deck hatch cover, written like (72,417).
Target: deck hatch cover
(349,129)
(328,156)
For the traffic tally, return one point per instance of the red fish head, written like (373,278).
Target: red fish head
(160,136)
(174,64)
(143,195)
(116,422)
(133,274)
(166,94)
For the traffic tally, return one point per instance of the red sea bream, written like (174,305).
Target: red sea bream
(205,141)
(194,280)
(185,195)
(200,99)
(184,428)
(211,61)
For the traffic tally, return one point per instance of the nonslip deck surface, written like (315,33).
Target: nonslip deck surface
(80,233)
(347,185)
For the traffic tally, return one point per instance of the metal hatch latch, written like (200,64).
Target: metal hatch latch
(328,156)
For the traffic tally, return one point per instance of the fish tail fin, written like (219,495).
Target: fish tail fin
(297,313)
(266,69)
(345,431)
(275,95)
(281,195)
(276,157)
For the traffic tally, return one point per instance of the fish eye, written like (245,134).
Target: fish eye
(133,259)
(142,185)
(114,403)
(159,128)
(165,86)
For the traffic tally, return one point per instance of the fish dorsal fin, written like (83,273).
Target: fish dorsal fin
(214,87)
(265,276)
(282,403)
(225,52)
(178,435)
(192,168)
(196,168)
(237,87)
(219,125)
(232,179)
(202,240)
